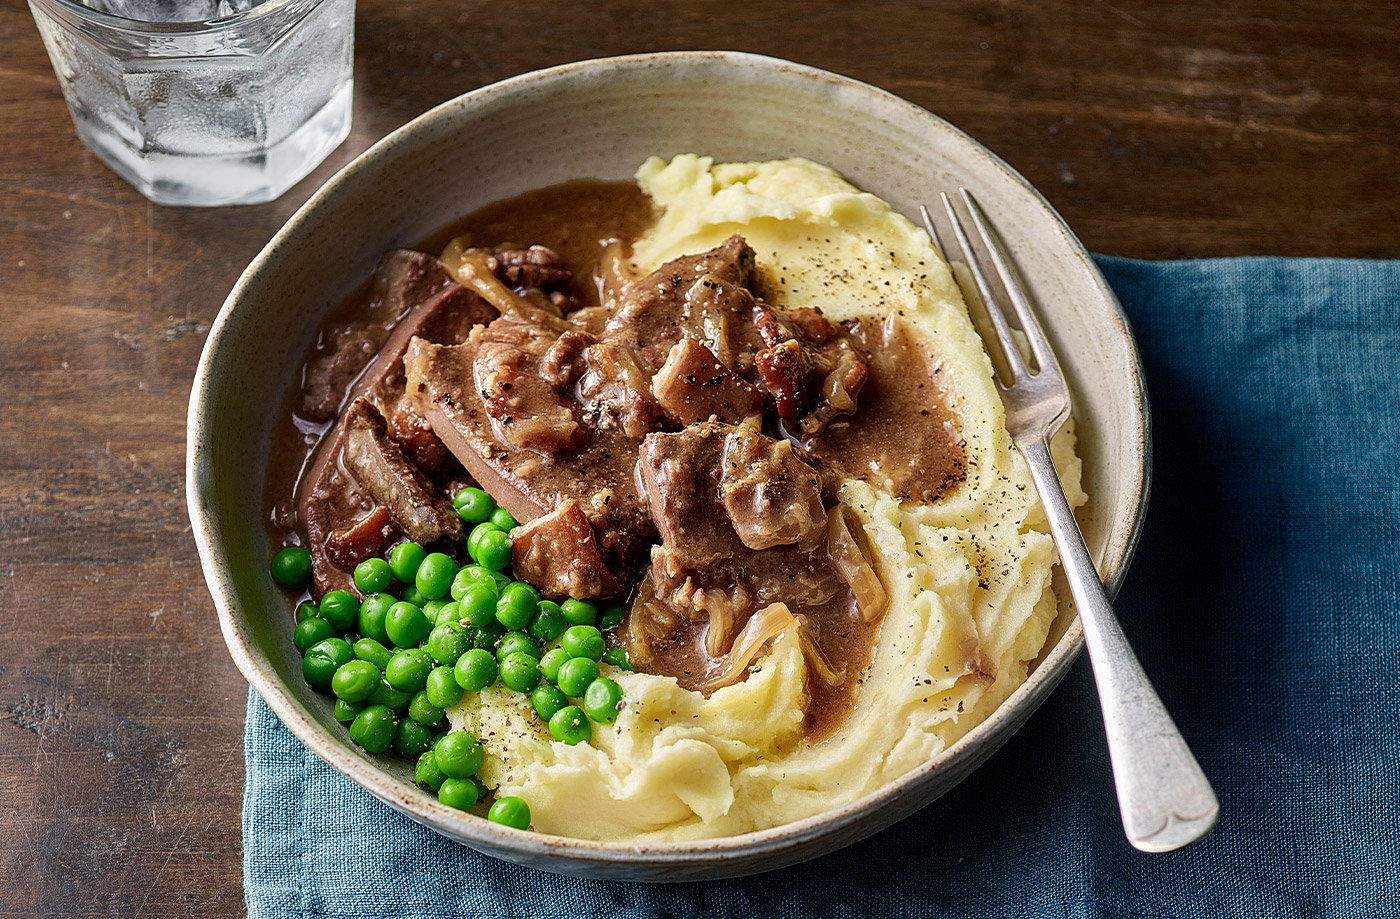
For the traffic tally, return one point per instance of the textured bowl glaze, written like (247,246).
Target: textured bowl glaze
(600,119)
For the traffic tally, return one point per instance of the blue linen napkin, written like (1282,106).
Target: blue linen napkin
(1264,602)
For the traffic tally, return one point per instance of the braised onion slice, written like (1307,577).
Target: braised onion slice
(470,268)
(763,625)
(852,563)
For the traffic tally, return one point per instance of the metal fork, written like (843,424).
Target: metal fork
(1164,798)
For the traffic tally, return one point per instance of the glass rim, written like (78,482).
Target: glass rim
(181,27)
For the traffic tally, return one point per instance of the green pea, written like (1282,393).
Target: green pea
(548,623)
(433,608)
(553,659)
(427,774)
(406,625)
(601,700)
(323,659)
(517,643)
(488,636)
(619,658)
(510,811)
(570,725)
(473,505)
(442,688)
(611,616)
(583,641)
(547,700)
(291,567)
(448,613)
(390,698)
(412,738)
(408,669)
(434,577)
(476,670)
(579,612)
(373,575)
(503,519)
(372,613)
(478,604)
(341,609)
(307,610)
(355,680)
(374,728)
(448,642)
(345,712)
(458,793)
(517,606)
(404,560)
(575,675)
(489,546)
(411,594)
(520,672)
(458,754)
(368,649)
(472,574)
(309,631)
(421,710)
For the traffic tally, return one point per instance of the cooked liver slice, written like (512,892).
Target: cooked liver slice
(417,506)
(335,508)
(403,280)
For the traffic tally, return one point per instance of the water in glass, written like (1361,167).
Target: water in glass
(205,102)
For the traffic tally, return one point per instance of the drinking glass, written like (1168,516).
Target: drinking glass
(204,102)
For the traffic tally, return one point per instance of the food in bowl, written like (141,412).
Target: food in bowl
(734,436)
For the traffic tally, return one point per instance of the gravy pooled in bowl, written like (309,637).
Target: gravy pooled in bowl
(754,473)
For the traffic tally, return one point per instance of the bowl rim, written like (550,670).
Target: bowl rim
(1123,535)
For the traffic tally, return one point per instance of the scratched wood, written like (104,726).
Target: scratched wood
(1158,129)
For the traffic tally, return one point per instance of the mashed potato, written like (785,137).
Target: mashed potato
(969,575)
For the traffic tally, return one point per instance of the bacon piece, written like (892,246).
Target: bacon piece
(559,554)
(365,538)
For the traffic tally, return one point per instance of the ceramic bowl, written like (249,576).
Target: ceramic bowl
(600,119)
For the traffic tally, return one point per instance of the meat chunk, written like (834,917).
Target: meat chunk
(563,362)
(703,297)
(680,475)
(378,465)
(559,554)
(772,497)
(812,371)
(442,381)
(526,411)
(693,386)
(613,392)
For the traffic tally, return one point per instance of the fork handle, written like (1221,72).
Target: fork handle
(1164,798)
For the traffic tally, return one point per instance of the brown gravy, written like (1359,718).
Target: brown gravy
(904,439)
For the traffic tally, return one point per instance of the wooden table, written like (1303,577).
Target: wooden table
(1158,129)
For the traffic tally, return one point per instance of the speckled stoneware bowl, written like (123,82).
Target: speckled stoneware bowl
(600,119)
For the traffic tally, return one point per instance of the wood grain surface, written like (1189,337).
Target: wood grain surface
(1159,129)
